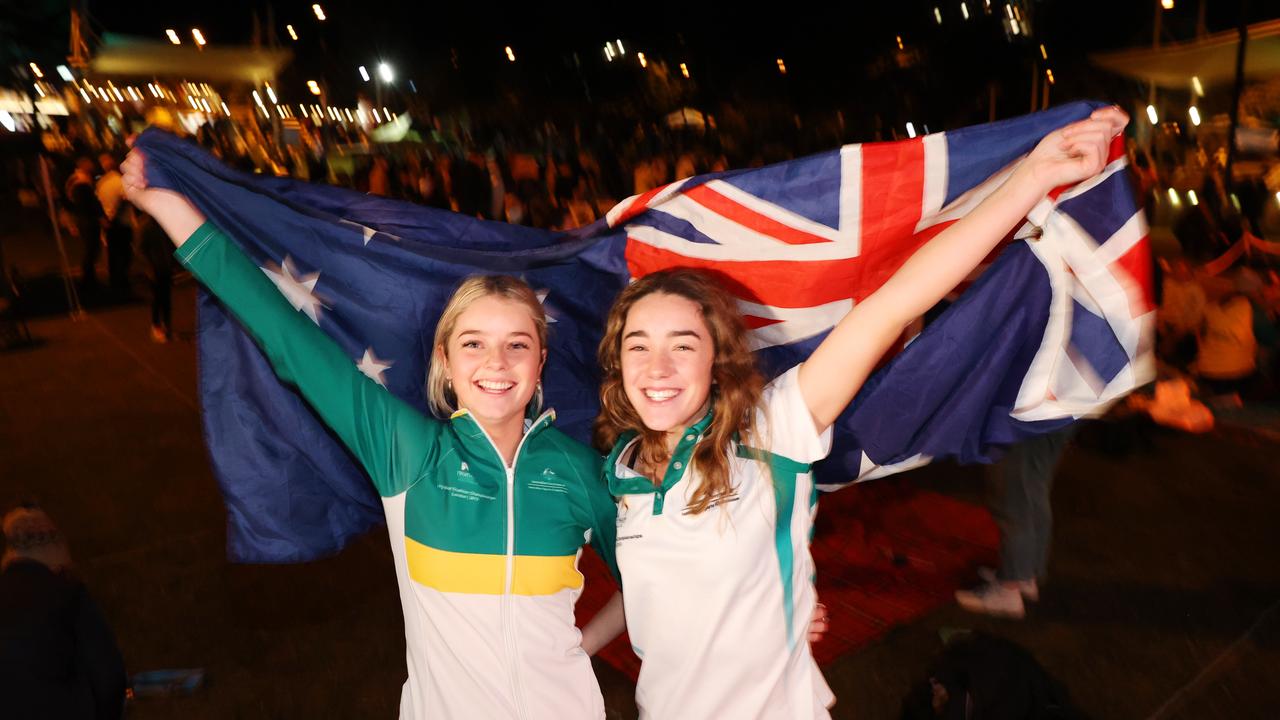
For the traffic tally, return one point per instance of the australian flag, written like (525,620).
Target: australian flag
(1056,326)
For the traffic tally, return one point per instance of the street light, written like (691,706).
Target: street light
(684,69)
(511,54)
(291,31)
(1195,116)
(35,69)
(314,87)
(643,63)
(364,74)
(65,73)
(782,67)
(272,94)
(173,37)
(319,11)
(1151,114)
(384,71)
(199,36)
(1166,4)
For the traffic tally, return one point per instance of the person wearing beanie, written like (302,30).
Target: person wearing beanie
(58,656)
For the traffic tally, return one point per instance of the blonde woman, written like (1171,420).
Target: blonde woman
(487,509)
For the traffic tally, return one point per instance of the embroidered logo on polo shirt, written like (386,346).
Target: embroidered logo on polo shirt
(715,503)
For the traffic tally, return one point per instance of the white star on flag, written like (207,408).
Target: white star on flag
(373,367)
(365,230)
(299,290)
(542,298)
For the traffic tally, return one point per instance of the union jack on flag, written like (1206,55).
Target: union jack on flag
(1057,326)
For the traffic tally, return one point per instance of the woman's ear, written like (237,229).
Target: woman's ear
(440,356)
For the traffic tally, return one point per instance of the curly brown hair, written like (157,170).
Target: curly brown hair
(737,384)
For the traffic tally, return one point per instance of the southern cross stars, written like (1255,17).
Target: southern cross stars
(299,290)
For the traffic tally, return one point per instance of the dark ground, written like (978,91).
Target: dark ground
(1164,600)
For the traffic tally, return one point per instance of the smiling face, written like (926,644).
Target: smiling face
(667,357)
(493,359)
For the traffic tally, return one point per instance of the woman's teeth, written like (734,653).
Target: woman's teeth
(660,395)
(494,385)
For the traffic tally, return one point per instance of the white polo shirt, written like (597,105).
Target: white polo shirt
(718,604)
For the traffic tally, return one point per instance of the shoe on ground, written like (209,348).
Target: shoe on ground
(998,599)
(1030,589)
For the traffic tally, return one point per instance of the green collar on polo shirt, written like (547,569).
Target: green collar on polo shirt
(636,484)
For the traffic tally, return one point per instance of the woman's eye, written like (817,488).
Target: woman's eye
(519,346)
(636,348)
(471,344)
(684,347)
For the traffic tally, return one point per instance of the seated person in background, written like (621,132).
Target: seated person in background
(1180,315)
(1228,353)
(58,657)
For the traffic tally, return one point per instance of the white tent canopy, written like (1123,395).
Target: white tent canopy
(123,55)
(1212,59)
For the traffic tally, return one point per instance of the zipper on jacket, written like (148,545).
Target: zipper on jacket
(508,624)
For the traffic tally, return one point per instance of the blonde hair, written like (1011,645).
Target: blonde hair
(440,396)
(735,395)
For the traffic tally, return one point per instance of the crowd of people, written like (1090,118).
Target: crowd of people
(546,179)
(1218,301)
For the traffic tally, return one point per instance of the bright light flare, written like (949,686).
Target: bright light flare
(1195,115)
(292,33)
(385,72)
(199,36)
(911,130)
(364,74)
(35,70)
(511,54)
(1151,114)
(319,11)
(173,37)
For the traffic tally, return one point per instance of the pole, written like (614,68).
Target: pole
(73,299)
(1242,29)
